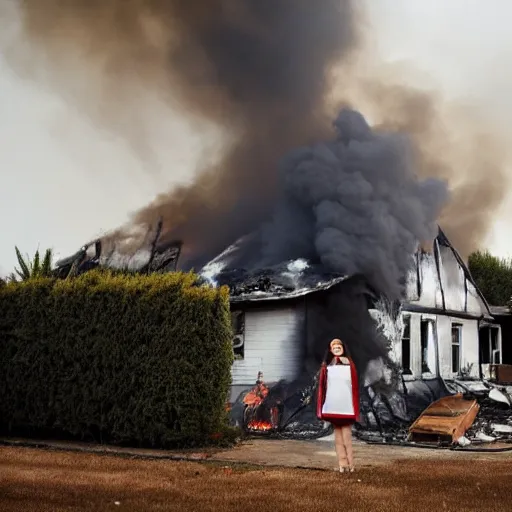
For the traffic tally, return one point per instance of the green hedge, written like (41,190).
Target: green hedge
(116,358)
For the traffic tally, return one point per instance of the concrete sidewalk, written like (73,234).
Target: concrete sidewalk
(320,454)
(317,454)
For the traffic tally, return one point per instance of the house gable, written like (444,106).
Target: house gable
(440,282)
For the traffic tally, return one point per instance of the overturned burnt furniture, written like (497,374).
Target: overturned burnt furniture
(445,421)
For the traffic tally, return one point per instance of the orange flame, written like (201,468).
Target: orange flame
(259,425)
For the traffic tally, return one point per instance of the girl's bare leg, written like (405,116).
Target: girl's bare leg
(340,448)
(346,433)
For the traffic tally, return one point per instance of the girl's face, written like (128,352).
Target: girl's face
(337,349)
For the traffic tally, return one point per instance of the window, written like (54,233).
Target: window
(495,349)
(426,333)
(456,340)
(484,337)
(489,345)
(238,326)
(406,347)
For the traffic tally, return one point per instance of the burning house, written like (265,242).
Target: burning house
(338,255)
(441,331)
(445,326)
(334,213)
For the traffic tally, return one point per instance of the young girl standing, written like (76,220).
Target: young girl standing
(338,401)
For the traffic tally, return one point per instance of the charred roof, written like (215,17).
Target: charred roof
(286,281)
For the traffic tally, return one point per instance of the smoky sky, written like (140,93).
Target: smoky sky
(262,72)
(258,69)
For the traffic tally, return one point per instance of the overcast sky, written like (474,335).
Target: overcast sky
(65,181)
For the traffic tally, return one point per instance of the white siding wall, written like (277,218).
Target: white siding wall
(430,288)
(453,280)
(270,346)
(474,301)
(454,284)
(443,325)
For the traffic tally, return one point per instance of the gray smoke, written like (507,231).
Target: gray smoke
(258,70)
(354,205)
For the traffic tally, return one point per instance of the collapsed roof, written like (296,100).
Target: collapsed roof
(93,255)
(286,281)
(300,277)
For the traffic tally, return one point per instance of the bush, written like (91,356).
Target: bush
(116,358)
(493,276)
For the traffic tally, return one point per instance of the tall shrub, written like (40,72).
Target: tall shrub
(493,276)
(121,358)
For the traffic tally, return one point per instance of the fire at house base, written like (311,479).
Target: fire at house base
(476,418)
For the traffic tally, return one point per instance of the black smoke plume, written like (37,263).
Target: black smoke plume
(355,205)
(261,70)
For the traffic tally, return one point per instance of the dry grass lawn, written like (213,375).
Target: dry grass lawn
(35,480)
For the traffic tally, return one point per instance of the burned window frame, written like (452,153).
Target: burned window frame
(238,331)
(497,350)
(406,336)
(456,327)
(487,352)
(424,350)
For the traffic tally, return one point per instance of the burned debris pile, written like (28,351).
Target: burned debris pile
(494,419)
(481,409)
